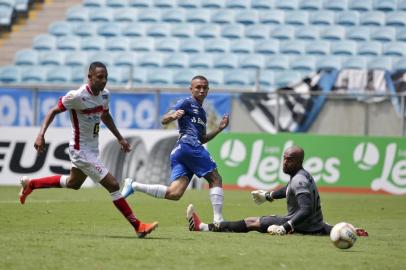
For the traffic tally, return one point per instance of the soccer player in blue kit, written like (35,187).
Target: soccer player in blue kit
(188,156)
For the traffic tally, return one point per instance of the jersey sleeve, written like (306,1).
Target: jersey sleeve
(299,184)
(68,101)
(180,105)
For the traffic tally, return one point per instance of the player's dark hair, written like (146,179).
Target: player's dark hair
(200,77)
(95,65)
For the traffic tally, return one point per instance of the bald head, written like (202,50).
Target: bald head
(293,159)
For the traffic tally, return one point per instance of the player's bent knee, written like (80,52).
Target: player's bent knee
(73,186)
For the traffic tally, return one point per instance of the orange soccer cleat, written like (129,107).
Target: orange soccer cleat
(193,218)
(25,188)
(146,228)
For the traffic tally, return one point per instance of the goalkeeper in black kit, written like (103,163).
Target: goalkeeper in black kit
(303,204)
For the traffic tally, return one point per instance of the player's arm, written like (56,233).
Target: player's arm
(171,116)
(39,144)
(109,122)
(260,196)
(209,136)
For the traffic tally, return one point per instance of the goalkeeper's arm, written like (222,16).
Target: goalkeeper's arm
(305,210)
(279,193)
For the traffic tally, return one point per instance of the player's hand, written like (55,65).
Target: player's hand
(39,144)
(276,230)
(125,146)
(259,196)
(224,122)
(178,114)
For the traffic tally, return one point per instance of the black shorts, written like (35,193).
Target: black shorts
(266,221)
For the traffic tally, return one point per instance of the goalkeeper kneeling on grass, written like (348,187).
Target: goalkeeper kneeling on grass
(303,203)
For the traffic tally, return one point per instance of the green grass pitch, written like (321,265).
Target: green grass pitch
(66,229)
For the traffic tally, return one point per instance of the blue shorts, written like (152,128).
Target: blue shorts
(187,160)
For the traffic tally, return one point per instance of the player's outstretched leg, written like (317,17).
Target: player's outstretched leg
(25,189)
(192,218)
(146,228)
(127,188)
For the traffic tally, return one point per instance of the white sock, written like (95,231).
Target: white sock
(204,227)
(157,191)
(116,195)
(216,198)
(63,180)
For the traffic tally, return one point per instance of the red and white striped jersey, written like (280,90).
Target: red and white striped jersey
(85,111)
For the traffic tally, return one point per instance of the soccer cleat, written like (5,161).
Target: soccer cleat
(127,188)
(361,232)
(146,228)
(193,218)
(25,189)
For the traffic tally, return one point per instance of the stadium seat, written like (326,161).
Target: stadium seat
(324,17)
(68,43)
(304,63)
(283,32)
(44,42)
(60,28)
(384,63)
(233,31)
(167,45)
(242,46)
(346,47)
(76,59)
(208,31)
(162,4)
(177,60)
(385,5)
(142,44)
(133,30)
(22,6)
(401,35)
(109,29)
(182,30)
(296,17)
(287,78)
(215,76)
(237,78)
(310,5)
(149,15)
(140,3)
(355,62)
(101,15)
(201,61)
(117,3)
(333,33)
(95,43)
(174,16)
(125,59)
(77,14)
(84,29)
(286,4)
(151,60)
(159,76)
(223,16)
(118,44)
(267,46)
(79,74)
(191,45)
(34,74)
(118,75)
(266,80)
(384,34)
(372,18)
(247,17)
(26,57)
(397,49)
(139,76)
(94,3)
(158,30)
(347,18)
(203,16)
(182,77)
(237,4)
(310,32)
(258,31)
(59,75)
(252,61)
(396,19)
(335,5)
(400,65)
(292,47)
(401,5)
(262,4)
(52,58)
(318,47)
(213,3)
(369,48)
(226,61)
(188,4)
(217,45)
(127,15)
(358,33)
(329,62)
(278,62)
(9,74)
(360,5)
(275,16)
(104,57)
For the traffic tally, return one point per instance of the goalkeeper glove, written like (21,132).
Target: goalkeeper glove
(260,196)
(282,229)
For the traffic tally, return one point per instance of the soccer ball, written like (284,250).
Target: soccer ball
(343,235)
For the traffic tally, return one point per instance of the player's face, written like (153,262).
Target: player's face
(98,79)
(199,89)
(289,163)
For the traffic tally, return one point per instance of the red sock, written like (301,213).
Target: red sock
(125,209)
(46,182)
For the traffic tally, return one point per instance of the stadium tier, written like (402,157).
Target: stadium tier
(237,42)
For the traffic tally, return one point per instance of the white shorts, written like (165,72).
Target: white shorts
(88,162)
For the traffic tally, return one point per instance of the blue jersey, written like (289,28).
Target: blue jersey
(192,125)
